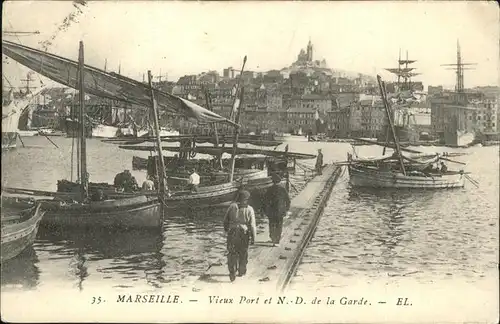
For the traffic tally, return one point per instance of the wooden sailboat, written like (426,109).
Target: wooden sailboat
(126,212)
(19,229)
(400,171)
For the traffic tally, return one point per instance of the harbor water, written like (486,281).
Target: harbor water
(371,236)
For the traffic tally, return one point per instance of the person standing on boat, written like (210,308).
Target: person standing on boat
(148,184)
(276,206)
(193,181)
(319,162)
(241,229)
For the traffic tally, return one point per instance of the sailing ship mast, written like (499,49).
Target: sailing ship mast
(459,68)
(383,93)
(404,72)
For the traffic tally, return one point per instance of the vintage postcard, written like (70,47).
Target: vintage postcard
(250,161)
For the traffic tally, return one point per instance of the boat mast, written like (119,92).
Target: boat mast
(236,119)
(236,134)
(161,162)
(83,145)
(389,120)
(237,88)
(208,100)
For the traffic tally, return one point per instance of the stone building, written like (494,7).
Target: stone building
(338,123)
(300,118)
(312,102)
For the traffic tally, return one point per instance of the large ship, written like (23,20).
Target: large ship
(13,105)
(406,96)
(453,115)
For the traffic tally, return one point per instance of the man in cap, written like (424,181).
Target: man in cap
(319,162)
(239,224)
(276,206)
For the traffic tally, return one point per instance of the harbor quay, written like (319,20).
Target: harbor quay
(272,267)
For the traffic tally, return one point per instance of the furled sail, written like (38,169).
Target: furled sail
(400,70)
(103,84)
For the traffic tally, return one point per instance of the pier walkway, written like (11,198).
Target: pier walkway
(275,266)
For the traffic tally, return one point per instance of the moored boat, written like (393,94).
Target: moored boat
(19,229)
(365,176)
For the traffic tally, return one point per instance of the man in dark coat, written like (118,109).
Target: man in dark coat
(126,182)
(319,162)
(276,206)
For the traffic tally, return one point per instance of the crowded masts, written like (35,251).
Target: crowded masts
(404,72)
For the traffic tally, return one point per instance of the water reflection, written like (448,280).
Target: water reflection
(106,243)
(188,241)
(78,267)
(124,253)
(21,271)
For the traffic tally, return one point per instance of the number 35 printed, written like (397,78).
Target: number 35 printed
(97,300)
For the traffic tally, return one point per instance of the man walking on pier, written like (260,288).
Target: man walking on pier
(319,162)
(239,224)
(276,206)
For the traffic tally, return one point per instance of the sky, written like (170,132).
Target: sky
(178,38)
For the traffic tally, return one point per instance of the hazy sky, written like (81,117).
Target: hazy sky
(181,38)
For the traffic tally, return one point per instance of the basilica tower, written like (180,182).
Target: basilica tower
(309,51)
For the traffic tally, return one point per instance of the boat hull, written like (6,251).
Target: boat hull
(104,131)
(17,237)
(136,215)
(134,212)
(220,195)
(366,177)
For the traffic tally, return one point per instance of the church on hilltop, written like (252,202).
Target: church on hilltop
(306,57)
(305,62)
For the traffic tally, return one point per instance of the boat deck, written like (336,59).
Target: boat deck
(272,267)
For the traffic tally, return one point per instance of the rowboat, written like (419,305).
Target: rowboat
(19,230)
